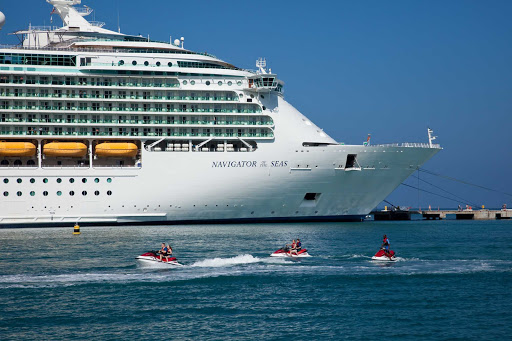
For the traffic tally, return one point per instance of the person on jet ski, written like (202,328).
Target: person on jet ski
(298,245)
(385,245)
(169,252)
(163,251)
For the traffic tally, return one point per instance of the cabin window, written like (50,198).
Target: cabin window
(45,193)
(59,193)
(6,194)
(32,193)
(71,193)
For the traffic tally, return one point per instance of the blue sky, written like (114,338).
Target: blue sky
(389,68)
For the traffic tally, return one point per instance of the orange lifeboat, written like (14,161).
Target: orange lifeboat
(66,149)
(119,149)
(17,149)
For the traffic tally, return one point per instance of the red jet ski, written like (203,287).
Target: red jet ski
(285,252)
(153,257)
(385,256)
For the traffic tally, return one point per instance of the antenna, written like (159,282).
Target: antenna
(430,137)
(261,63)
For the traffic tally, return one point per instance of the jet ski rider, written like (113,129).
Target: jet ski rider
(163,252)
(385,245)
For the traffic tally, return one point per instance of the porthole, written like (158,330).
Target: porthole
(109,192)
(185,82)
(96,180)
(32,193)
(59,180)
(45,193)
(19,180)
(84,180)
(252,96)
(17,162)
(45,180)
(146,63)
(32,180)
(134,62)
(71,180)
(264,108)
(158,63)
(192,82)
(6,194)
(241,95)
(230,83)
(207,82)
(109,180)
(4,163)
(96,192)
(71,193)
(220,83)
(59,193)
(84,193)
(121,62)
(169,64)
(19,193)
(239,83)
(262,96)
(6,181)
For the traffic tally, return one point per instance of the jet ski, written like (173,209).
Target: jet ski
(153,257)
(383,257)
(285,252)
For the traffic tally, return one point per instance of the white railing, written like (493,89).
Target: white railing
(409,145)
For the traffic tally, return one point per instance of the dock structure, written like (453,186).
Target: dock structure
(483,214)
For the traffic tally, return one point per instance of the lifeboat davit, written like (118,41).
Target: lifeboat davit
(119,149)
(66,149)
(17,149)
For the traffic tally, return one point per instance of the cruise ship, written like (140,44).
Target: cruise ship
(99,127)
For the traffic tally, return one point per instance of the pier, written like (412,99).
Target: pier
(482,214)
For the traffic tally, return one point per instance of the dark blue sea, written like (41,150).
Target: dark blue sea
(453,281)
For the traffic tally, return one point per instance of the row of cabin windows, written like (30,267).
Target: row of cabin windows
(37,59)
(100,81)
(59,180)
(59,193)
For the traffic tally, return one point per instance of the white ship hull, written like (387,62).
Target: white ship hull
(268,184)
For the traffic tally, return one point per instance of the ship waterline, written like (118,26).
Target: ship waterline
(136,131)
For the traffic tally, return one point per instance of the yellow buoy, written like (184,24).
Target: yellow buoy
(76,229)
(119,149)
(17,149)
(69,149)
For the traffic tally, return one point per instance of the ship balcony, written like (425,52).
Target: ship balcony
(80,96)
(199,123)
(268,135)
(140,110)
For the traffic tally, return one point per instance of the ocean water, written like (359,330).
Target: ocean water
(453,281)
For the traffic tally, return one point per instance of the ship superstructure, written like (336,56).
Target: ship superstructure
(101,127)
